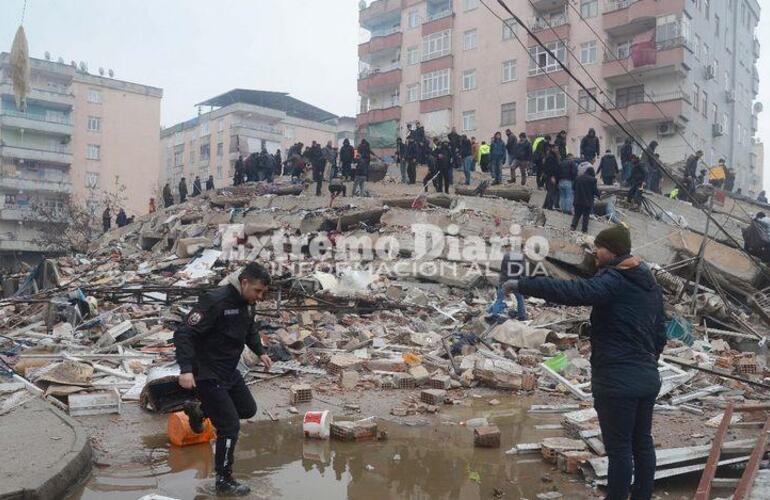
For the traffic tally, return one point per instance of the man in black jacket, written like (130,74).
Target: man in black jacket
(210,183)
(561,143)
(585,192)
(626,152)
(589,146)
(197,188)
(510,150)
(412,155)
(208,348)
(347,155)
(523,157)
(317,161)
(691,168)
(627,337)
(168,198)
(608,168)
(238,172)
(182,190)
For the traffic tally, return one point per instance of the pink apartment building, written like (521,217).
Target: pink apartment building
(452,63)
(82,135)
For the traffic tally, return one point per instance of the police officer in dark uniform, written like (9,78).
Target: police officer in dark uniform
(208,348)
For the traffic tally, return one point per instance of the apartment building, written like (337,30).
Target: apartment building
(242,122)
(80,136)
(681,72)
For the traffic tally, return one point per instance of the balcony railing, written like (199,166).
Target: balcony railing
(613,5)
(649,97)
(551,113)
(672,43)
(541,24)
(62,120)
(438,15)
(257,126)
(382,69)
(386,32)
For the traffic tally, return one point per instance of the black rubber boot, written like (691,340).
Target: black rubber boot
(195,415)
(227,486)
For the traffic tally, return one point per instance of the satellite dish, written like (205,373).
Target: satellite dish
(61,60)
(758,107)
(111,73)
(101,71)
(74,64)
(47,56)
(83,67)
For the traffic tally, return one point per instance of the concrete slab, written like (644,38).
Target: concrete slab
(50,452)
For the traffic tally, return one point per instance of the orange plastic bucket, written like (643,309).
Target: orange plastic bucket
(180,433)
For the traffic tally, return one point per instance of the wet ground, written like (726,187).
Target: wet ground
(424,457)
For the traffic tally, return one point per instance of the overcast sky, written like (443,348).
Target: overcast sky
(196,49)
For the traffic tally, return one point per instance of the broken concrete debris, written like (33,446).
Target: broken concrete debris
(97,333)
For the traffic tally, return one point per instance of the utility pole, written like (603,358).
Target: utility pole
(701,252)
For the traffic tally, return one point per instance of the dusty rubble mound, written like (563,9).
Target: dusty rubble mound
(91,332)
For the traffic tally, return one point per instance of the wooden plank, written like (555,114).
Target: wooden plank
(750,472)
(704,487)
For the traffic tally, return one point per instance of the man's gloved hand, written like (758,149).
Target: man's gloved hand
(511,286)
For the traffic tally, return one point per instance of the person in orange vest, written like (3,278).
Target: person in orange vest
(152,207)
(718,174)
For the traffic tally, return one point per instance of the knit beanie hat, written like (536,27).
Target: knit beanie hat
(616,239)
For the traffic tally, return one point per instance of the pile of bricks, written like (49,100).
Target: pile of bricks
(300,393)
(433,396)
(404,381)
(487,436)
(353,431)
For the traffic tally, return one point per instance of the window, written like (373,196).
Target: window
(717,25)
(435,84)
(436,45)
(546,103)
(92,180)
(672,30)
(470,4)
(696,96)
(414,18)
(469,120)
(725,122)
(288,133)
(696,46)
(705,103)
(204,129)
(93,152)
(94,96)
(715,112)
(629,95)
(509,25)
(192,155)
(585,103)
(470,39)
(589,52)
(469,79)
(221,125)
(509,71)
(220,173)
(623,50)
(94,124)
(205,152)
(589,8)
(179,155)
(412,55)
(220,150)
(413,92)
(541,62)
(508,114)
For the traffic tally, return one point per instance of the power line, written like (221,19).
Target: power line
(660,165)
(604,90)
(611,53)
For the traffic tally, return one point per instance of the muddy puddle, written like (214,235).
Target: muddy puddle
(417,461)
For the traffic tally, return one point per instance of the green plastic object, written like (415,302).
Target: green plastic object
(557,363)
(680,329)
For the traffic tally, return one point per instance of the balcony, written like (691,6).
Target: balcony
(28,183)
(380,79)
(383,43)
(58,154)
(41,123)
(559,29)
(45,97)
(379,12)
(438,21)
(650,109)
(548,5)
(15,213)
(673,56)
(546,123)
(378,116)
(624,18)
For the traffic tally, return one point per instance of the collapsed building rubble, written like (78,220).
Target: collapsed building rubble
(92,332)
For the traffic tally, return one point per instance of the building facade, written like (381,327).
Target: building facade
(241,122)
(82,137)
(681,72)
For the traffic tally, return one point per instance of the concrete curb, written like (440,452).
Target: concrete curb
(67,471)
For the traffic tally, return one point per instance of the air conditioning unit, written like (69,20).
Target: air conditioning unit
(666,129)
(710,72)
(717,129)
(730,95)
